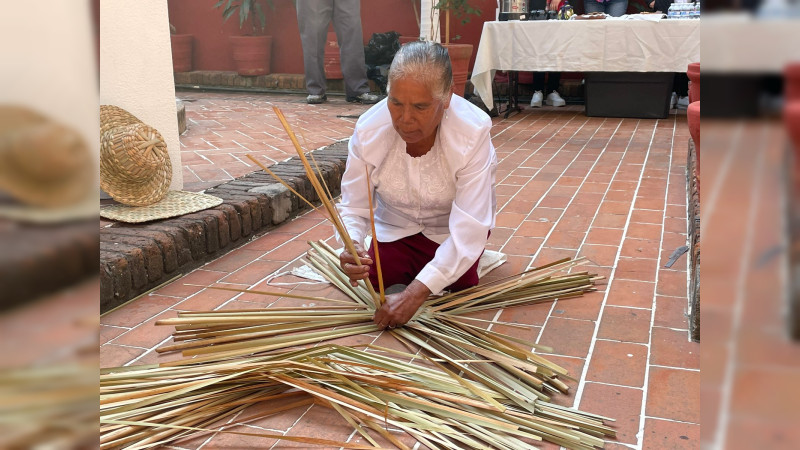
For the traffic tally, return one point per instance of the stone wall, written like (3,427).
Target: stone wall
(694,237)
(135,258)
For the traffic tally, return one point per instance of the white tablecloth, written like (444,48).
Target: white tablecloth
(610,45)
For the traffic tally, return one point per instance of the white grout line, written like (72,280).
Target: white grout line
(675,368)
(723,420)
(645,393)
(590,353)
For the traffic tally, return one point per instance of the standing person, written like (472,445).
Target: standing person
(431,165)
(614,8)
(551,96)
(313,17)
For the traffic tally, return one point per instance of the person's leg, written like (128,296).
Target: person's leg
(681,84)
(538,87)
(347,23)
(313,17)
(553,81)
(538,81)
(403,259)
(591,6)
(616,8)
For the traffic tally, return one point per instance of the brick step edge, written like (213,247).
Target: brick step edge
(135,258)
(694,239)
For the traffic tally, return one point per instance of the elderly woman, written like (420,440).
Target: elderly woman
(432,165)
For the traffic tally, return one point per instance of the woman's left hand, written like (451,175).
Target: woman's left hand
(401,307)
(554,4)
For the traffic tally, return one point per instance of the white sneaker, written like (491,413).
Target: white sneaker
(682,103)
(536,100)
(553,99)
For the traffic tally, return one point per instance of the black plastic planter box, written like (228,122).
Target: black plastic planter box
(643,95)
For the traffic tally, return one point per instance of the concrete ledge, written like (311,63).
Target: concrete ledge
(273,81)
(136,258)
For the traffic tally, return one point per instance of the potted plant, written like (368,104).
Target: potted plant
(460,54)
(181,50)
(251,52)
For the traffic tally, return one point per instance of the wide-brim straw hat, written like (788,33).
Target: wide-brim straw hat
(135,168)
(43,163)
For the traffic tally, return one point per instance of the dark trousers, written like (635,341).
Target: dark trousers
(553,79)
(313,17)
(680,84)
(403,259)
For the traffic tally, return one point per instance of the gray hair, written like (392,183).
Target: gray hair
(427,62)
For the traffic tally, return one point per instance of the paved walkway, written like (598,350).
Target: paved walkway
(612,190)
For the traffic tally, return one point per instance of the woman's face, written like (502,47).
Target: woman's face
(415,112)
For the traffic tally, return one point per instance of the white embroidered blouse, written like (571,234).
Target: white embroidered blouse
(447,194)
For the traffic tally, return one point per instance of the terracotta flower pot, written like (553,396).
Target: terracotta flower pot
(791,119)
(693,115)
(181,52)
(693,73)
(459,59)
(333,67)
(251,54)
(791,76)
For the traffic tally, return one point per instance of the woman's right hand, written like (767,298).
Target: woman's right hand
(348,264)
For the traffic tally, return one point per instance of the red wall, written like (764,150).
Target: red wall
(211,49)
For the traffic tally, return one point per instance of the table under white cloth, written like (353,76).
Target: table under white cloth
(610,45)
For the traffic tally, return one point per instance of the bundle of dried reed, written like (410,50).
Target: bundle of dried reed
(383,390)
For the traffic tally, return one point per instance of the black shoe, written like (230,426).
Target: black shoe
(365,98)
(315,99)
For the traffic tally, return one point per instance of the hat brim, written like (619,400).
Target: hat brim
(175,203)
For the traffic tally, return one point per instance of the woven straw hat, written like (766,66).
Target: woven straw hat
(135,168)
(42,163)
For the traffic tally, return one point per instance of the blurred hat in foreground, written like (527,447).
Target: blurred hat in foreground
(43,163)
(135,168)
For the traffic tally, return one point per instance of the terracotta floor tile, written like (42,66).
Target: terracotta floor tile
(191,283)
(233,260)
(269,241)
(548,255)
(205,300)
(666,435)
(625,324)
(644,231)
(671,312)
(605,236)
(601,255)
(510,220)
(565,239)
(672,348)
(568,337)
(618,363)
(116,355)
(526,315)
(148,334)
(288,251)
(524,246)
(610,220)
(253,272)
(586,307)
(638,294)
(134,313)
(620,403)
(108,333)
(640,248)
(667,394)
(646,216)
(674,284)
(534,228)
(640,269)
